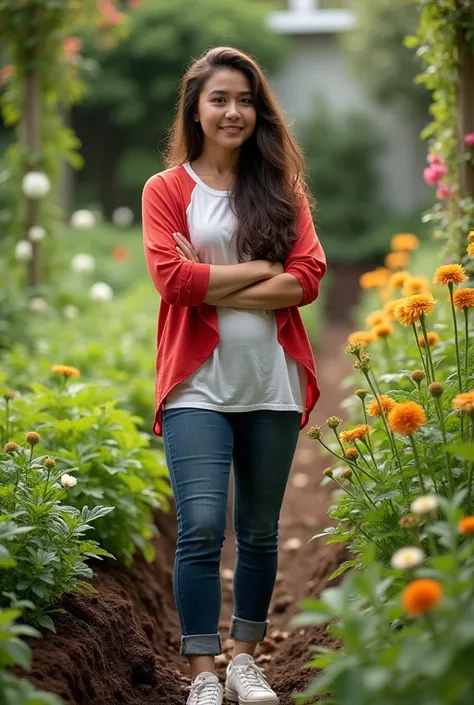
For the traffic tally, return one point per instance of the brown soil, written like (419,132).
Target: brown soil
(121,645)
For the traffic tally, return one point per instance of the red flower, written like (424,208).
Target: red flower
(109,15)
(71,47)
(120,253)
(6,72)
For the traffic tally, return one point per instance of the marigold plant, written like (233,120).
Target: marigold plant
(412,308)
(404,242)
(450,274)
(406,418)
(421,596)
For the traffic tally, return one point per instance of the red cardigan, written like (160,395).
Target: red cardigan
(187,327)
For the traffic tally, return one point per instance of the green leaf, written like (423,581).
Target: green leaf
(463,450)
(47,623)
(19,653)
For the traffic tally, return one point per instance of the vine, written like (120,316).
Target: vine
(444,41)
(44,78)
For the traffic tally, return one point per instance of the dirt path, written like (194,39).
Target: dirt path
(121,645)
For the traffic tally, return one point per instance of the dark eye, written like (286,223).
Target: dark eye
(218,99)
(248,101)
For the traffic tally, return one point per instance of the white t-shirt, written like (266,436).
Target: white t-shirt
(248,370)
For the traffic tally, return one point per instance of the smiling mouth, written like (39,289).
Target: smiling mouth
(232,130)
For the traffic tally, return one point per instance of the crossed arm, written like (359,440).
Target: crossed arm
(251,285)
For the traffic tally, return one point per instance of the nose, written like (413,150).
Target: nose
(232,112)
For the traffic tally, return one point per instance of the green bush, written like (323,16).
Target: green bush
(81,426)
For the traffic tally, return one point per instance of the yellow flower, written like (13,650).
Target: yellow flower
(433,339)
(464,298)
(396,260)
(412,308)
(450,274)
(406,418)
(404,242)
(470,237)
(374,279)
(421,596)
(361,336)
(470,249)
(355,434)
(415,285)
(390,307)
(466,525)
(464,403)
(65,370)
(383,330)
(375,318)
(383,401)
(398,279)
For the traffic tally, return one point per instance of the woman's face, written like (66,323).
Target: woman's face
(226,110)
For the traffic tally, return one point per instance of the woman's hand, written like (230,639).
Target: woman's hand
(185,249)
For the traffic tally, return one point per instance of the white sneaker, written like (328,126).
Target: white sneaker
(245,683)
(205,690)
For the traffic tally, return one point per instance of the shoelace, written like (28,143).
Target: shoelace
(204,693)
(252,676)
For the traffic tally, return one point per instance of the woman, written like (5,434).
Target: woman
(231,248)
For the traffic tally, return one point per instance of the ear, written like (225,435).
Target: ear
(196,118)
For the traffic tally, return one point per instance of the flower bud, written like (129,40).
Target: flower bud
(351,453)
(418,376)
(10,447)
(327,472)
(314,433)
(32,438)
(346,474)
(354,349)
(361,393)
(333,421)
(49,463)
(436,389)
(409,521)
(68,480)
(8,396)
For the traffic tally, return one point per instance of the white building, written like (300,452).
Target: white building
(316,65)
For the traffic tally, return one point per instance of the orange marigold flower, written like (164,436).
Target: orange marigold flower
(464,402)
(375,318)
(464,298)
(361,336)
(466,525)
(384,402)
(396,260)
(398,279)
(415,285)
(406,418)
(433,339)
(470,249)
(383,330)
(404,242)
(450,274)
(355,434)
(390,307)
(65,370)
(375,278)
(421,596)
(412,308)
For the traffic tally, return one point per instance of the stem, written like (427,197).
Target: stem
(448,457)
(466,339)
(423,361)
(417,461)
(453,310)
(471,470)
(427,346)
(369,538)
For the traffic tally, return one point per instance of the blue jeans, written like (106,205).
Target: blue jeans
(200,446)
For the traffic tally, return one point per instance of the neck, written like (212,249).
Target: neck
(218,161)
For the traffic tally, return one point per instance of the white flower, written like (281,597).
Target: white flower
(426,504)
(100,291)
(83,263)
(71,311)
(36,233)
(83,219)
(37,304)
(408,557)
(68,480)
(23,251)
(122,217)
(35,184)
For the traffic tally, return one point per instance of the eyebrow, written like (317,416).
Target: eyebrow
(221,92)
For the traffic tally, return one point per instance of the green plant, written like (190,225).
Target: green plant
(44,538)
(82,427)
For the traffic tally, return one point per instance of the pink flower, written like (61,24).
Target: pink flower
(6,72)
(71,47)
(444,192)
(109,15)
(134,3)
(469,139)
(434,173)
(433,159)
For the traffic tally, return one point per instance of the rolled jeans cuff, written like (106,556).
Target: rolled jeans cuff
(244,630)
(201,645)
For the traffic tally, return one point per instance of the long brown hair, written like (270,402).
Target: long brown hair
(270,175)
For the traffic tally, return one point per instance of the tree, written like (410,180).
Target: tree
(132,96)
(378,57)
